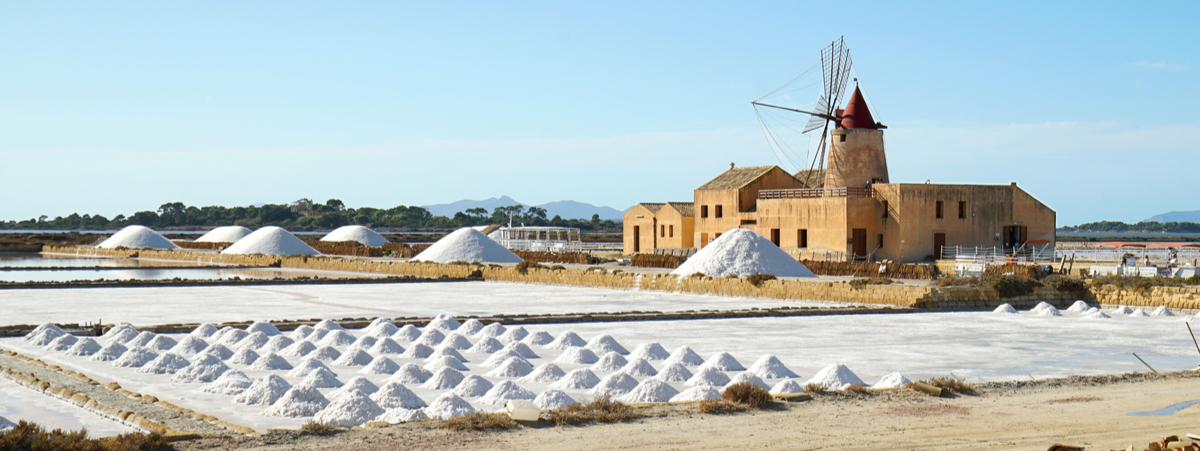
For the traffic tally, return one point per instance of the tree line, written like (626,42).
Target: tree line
(1144,226)
(304,214)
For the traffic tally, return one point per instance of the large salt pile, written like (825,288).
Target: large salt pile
(1161,311)
(699,393)
(505,391)
(299,401)
(448,405)
(769,367)
(270,240)
(474,385)
(894,380)
(724,362)
(553,399)
(467,245)
(352,409)
(137,237)
(1005,308)
(685,356)
(582,378)
(1079,307)
(742,252)
(395,395)
(263,392)
(226,234)
(835,377)
(357,233)
(615,384)
(233,382)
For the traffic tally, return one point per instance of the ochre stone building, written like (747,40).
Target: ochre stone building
(851,210)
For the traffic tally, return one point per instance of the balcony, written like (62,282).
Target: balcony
(814,193)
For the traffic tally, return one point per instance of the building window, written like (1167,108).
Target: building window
(802,238)
(720,211)
(962,209)
(704,211)
(842,138)
(885,209)
(662,232)
(671,230)
(939,209)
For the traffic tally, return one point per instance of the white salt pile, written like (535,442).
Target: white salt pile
(1041,306)
(161,343)
(724,362)
(354,357)
(431,337)
(492,330)
(407,333)
(835,377)
(1005,308)
(325,353)
(306,366)
(1079,307)
(511,368)
(610,362)
(539,338)
(410,373)
(448,405)
(357,233)
(615,384)
(467,245)
(84,347)
(124,335)
(1095,313)
(394,395)
(141,340)
(137,237)
(336,338)
(474,385)
(301,332)
(352,409)
(361,384)
(243,357)
(1122,310)
(298,401)
(742,252)
(457,341)
(443,321)
(1048,311)
(894,380)
(1139,313)
(233,382)
(135,358)
(380,365)
(225,234)
(204,330)
(445,378)
(445,362)
(265,327)
(650,390)
(62,343)
(787,386)
(674,372)
(229,336)
(470,327)
(513,335)
(522,349)
(499,357)
(545,373)
(109,352)
(698,393)
(578,356)
(582,378)
(685,356)
(204,368)
(567,340)
(396,416)
(328,324)
(639,367)
(5,424)
(44,334)
(486,346)
(504,391)
(277,344)
(381,328)
(650,351)
(269,362)
(263,392)
(605,344)
(108,334)
(769,367)
(386,346)
(553,399)
(299,349)
(1161,311)
(270,240)
(190,345)
(165,363)
(446,351)
(217,350)
(708,376)
(748,377)
(321,378)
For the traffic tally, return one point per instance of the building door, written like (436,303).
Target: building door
(939,242)
(637,239)
(775,236)
(859,237)
(1012,236)
(703,240)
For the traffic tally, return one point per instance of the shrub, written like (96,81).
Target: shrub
(858,387)
(749,394)
(31,436)
(557,268)
(525,265)
(315,428)
(859,283)
(1064,284)
(697,275)
(603,410)
(956,281)
(1012,286)
(814,388)
(757,279)
(720,406)
(479,421)
(950,383)
(1194,280)
(1135,283)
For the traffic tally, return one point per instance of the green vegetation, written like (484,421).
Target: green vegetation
(304,214)
(479,421)
(1136,283)
(1144,226)
(601,410)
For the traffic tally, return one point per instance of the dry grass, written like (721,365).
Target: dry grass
(526,265)
(859,283)
(315,428)
(757,279)
(31,436)
(950,383)
(602,410)
(749,394)
(858,387)
(814,388)
(1074,399)
(720,406)
(927,410)
(479,421)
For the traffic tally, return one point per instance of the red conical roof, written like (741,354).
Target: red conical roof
(856,114)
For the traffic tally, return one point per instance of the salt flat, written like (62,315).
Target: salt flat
(21,403)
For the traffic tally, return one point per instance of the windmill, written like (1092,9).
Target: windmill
(835,71)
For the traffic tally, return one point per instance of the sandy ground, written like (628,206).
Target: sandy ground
(1086,411)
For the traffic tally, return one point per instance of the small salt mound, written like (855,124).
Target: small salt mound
(577,356)
(443,379)
(650,351)
(263,392)
(567,340)
(321,378)
(787,386)
(381,365)
(62,343)
(336,338)
(512,367)
(297,402)
(407,333)
(544,374)
(472,386)
(539,338)
(1079,307)
(135,358)
(45,326)
(650,390)
(43,337)
(522,349)
(204,330)
(364,342)
(354,357)
(615,384)
(742,252)
(217,350)
(446,351)
(357,233)
(353,409)
(1005,308)
(457,341)
(122,334)
(417,351)
(708,376)
(84,347)
(1139,313)
(397,416)
(190,345)
(500,356)
(108,335)
(325,353)
(204,368)
(505,391)
(699,393)
(470,327)
(1161,311)
(316,335)
(724,362)
(553,399)
(299,349)
(894,380)
(162,343)
(486,346)
(233,382)
(277,344)
(431,337)
(513,335)
(230,336)
(109,352)
(141,340)
(443,322)
(270,240)
(410,374)
(1048,311)
(328,324)
(306,366)
(674,372)
(610,362)
(243,357)
(582,378)
(448,405)
(492,330)
(638,368)
(835,377)
(685,356)
(1122,310)
(357,383)
(1096,314)
(394,395)
(445,362)
(301,332)
(225,234)
(165,363)
(386,346)
(137,237)
(748,377)
(466,245)
(769,367)
(1041,306)
(271,361)
(605,344)
(381,329)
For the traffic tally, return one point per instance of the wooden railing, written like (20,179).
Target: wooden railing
(813,193)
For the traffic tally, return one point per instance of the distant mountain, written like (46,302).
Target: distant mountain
(567,209)
(1176,216)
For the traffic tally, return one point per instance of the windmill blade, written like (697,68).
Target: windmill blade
(815,122)
(835,71)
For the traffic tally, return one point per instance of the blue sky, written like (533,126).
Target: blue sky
(114,107)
